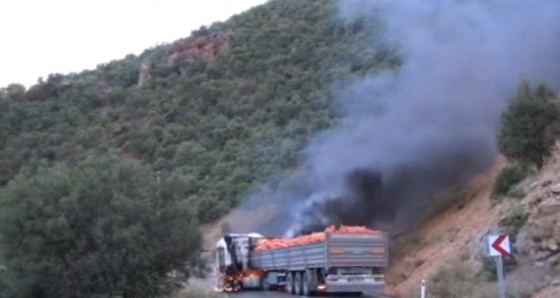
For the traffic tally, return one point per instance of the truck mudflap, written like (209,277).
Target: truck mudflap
(354,283)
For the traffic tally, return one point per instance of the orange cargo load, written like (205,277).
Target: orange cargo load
(263,244)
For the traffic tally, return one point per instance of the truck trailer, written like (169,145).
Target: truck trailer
(336,261)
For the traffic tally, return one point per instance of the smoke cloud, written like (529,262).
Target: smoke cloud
(439,112)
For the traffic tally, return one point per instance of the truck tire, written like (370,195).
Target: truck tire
(263,283)
(290,283)
(298,283)
(308,283)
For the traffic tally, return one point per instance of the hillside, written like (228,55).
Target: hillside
(235,108)
(208,117)
(225,108)
(448,250)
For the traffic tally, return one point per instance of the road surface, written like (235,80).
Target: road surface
(272,294)
(284,295)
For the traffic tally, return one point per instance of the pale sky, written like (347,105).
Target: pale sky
(40,37)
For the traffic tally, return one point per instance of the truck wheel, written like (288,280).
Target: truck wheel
(263,283)
(298,283)
(308,283)
(290,283)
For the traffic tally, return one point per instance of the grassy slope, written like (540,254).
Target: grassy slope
(224,124)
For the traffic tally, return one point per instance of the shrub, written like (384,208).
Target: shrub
(509,177)
(489,266)
(528,125)
(99,229)
(516,216)
(456,280)
(460,279)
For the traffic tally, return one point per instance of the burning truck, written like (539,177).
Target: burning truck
(343,259)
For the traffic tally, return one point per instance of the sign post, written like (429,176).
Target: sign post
(499,247)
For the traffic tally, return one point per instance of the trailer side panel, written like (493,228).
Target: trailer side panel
(356,250)
(290,258)
(337,250)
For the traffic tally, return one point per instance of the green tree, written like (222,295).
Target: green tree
(13,92)
(528,125)
(102,228)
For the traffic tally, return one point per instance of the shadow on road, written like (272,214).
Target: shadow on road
(257,294)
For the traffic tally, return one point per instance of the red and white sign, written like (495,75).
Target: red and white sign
(498,245)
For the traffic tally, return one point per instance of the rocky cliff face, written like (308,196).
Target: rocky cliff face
(540,237)
(205,47)
(144,76)
(183,54)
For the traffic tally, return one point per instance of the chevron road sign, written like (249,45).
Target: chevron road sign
(498,245)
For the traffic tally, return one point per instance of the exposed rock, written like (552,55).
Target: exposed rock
(183,53)
(540,255)
(554,260)
(102,88)
(555,283)
(552,246)
(549,207)
(540,237)
(144,74)
(555,189)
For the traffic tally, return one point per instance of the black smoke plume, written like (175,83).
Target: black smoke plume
(439,112)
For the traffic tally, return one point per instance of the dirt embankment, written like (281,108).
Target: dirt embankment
(453,234)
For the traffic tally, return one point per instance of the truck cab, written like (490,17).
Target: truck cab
(231,265)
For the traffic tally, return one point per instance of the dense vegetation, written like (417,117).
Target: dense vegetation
(508,178)
(225,123)
(200,130)
(530,125)
(101,229)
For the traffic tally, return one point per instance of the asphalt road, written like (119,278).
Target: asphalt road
(284,295)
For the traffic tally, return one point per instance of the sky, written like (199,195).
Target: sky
(40,37)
